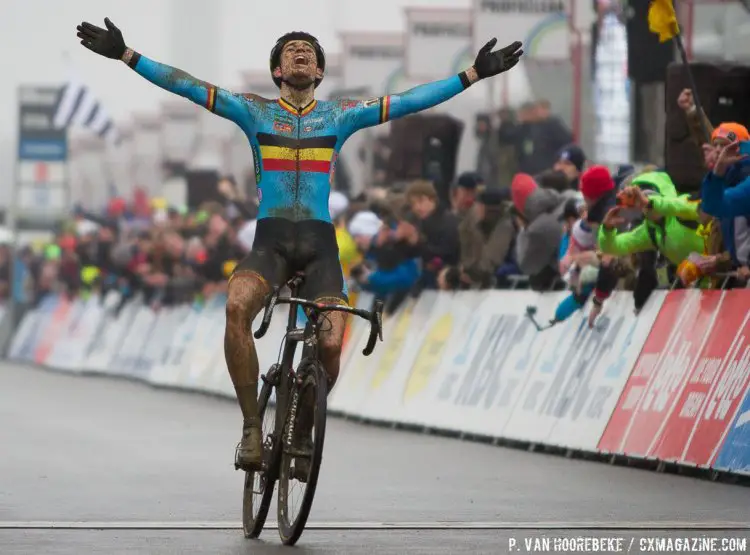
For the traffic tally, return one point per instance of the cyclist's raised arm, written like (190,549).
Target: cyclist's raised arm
(380,110)
(369,113)
(213,98)
(110,44)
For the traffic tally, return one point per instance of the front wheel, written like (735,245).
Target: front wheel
(302,449)
(259,486)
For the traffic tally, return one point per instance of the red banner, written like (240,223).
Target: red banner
(679,426)
(729,349)
(661,372)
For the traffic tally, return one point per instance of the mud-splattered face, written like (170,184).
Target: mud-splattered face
(298,64)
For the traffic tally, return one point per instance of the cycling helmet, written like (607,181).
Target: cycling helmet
(296,35)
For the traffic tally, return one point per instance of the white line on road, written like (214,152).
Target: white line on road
(152,525)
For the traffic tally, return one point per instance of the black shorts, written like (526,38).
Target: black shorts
(282,248)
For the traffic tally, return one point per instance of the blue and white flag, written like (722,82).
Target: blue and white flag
(79,107)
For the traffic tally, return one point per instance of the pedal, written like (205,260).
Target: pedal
(237,462)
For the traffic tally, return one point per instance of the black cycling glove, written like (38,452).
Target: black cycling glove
(489,64)
(106,42)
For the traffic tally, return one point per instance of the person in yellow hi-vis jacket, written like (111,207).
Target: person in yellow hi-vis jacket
(349,254)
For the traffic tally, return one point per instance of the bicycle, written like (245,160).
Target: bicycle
(280,456)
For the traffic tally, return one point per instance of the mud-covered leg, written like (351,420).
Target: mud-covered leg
(246,294)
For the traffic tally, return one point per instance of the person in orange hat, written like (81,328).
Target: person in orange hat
(721,137)
(731,168)
(725,195)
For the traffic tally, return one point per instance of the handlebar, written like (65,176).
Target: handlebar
(375,317)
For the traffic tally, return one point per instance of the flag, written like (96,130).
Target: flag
(79,107)
(662,20)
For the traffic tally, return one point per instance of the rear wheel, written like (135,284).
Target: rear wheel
(302,458)
(259,486)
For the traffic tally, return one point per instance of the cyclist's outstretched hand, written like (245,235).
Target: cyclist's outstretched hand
(489,63)
(106,42)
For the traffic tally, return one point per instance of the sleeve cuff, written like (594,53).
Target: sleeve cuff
(464,80)
(134,59)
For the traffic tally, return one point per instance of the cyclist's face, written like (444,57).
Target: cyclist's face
(298,63)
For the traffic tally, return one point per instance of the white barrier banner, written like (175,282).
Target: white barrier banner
(210,334)
(165,323)
(19,345)
(353,385)
(103,353)
(593,378)
(542,26)
(70,348)
(387,380)
(569,356)
(437,41)
(175,358)
(469,362)
(487,345)
(472,362)
(128,358)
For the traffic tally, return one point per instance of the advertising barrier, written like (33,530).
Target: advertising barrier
(669,384)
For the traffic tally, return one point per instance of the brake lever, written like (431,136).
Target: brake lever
(268,313)
(376,328)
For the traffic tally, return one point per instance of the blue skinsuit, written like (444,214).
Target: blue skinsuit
(295,150)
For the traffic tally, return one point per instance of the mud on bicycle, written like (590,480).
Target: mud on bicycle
(290,457)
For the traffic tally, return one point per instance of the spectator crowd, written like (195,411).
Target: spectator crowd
(535,214)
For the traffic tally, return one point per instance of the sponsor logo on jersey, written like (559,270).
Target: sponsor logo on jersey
(282,127)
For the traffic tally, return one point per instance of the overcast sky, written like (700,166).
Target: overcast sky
(214,40)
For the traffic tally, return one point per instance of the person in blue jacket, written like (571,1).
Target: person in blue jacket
(295,142)
(725,195)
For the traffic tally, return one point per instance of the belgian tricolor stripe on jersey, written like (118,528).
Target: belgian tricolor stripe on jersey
(303,112)
(211,98)
(385,108)
(283,154)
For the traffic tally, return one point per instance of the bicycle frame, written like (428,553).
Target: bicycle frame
(279,451)
(308,336)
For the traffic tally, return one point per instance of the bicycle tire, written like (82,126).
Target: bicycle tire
(290,532)
(252,526)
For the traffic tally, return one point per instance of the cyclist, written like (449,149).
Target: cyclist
(295,141)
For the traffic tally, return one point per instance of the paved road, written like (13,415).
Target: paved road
(97,450)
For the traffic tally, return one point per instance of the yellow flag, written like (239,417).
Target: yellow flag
(662,20)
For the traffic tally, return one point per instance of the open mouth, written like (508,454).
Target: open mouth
(300,60)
